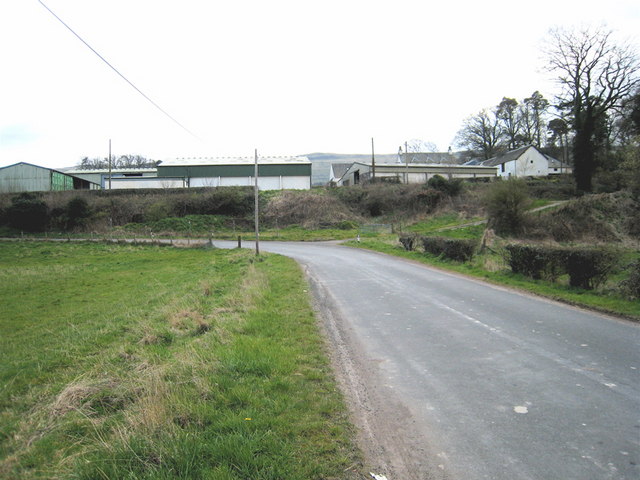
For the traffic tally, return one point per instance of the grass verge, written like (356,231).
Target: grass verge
(491,268)
(146,362)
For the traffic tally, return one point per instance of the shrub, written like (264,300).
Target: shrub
(457,249)
(589,268)
(536,261)
(28,212)
(506,203)
(408,241)
(527,260)
(631,286)
(451,187)
(77,212)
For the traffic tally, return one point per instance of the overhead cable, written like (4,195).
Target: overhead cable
(120,74)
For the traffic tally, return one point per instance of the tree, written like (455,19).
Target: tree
(507,113)
(535,106)
(596,77)
(420,146)
(480,133)
(123,161)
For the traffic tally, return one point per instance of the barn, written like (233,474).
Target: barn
(26,177)
(274,173)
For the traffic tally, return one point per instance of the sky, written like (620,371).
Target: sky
(285,77)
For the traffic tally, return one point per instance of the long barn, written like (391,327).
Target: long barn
(274,173)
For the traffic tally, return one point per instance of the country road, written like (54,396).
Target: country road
(453,378)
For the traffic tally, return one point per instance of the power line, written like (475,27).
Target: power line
(120,74)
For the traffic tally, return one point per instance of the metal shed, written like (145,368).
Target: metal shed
(26,177)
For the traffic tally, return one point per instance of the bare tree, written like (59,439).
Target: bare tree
(123,161)
(481,133)
(421,146)
(596,76)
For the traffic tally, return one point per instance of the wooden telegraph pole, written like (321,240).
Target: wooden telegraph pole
(406,160)
(255,194)
(373,162)
(109,164)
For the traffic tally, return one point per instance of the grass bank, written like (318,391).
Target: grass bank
(153,362)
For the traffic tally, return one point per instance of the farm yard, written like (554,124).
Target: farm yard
(157,362)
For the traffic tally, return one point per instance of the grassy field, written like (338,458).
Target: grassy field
(155,362)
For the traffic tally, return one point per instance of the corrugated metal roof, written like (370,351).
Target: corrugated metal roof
(189,161)
(77,171)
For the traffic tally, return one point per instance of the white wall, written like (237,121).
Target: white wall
(264,183)
(530,164)
(141,182)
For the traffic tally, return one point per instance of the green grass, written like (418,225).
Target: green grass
(440,223)
(202,226)
(491,267)
(145,362)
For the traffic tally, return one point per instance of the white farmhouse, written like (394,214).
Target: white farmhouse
(526,161)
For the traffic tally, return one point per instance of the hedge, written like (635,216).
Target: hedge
(458,249)
(408,241)
(587,267)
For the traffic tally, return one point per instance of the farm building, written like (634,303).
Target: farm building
(274,173)
(25,177)
(126,178)
(412,172)
(526,161)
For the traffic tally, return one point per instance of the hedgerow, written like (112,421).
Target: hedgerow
(587,268)
(457,249)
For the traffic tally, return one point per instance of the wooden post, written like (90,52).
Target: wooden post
(373,162)
(406,161)
(255,194)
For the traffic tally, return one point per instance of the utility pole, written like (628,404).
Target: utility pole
(373,162)
(255,194)
(109,164)
(406,161)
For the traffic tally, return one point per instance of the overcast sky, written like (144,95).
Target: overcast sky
(285,77)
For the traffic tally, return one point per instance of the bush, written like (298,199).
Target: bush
(457,249)
(451,187)
(408,241)
(28,212)
(527,260)
(506,203)
(77,212)
(631,286)
(589,268)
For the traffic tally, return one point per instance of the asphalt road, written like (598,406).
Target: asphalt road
(485,382)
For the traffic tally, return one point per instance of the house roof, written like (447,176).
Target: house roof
(507,157)
(339,169)
(193,161)
(431,158)
(555,163)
